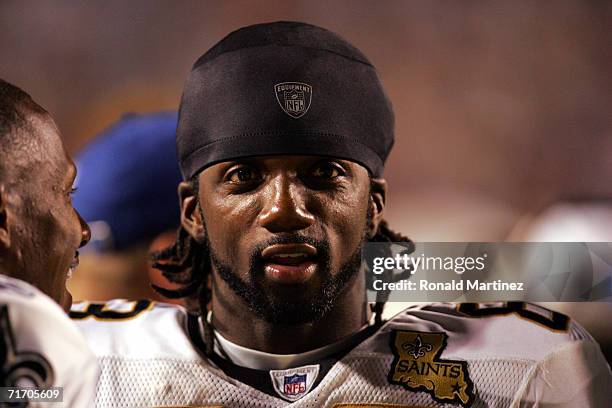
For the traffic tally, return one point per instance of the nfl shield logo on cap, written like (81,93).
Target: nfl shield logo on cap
(294,98)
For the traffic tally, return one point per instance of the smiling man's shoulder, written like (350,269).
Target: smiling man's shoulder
(40,346)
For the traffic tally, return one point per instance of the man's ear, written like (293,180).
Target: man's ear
(5,232)
(378,198)
(191,216)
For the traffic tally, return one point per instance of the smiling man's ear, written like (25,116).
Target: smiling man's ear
(191,215)
(5,232)
(378,197)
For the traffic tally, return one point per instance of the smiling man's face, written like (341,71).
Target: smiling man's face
(285,232)
(45,229)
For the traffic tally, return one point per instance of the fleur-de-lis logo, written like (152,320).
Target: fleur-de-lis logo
(418,366)
(18,365)
(417,349)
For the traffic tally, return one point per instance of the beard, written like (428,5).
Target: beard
(301,303)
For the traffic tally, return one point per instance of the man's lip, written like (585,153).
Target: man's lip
(75,260)
(290,274)
(290,263)
(279,249)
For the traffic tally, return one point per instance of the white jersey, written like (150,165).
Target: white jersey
(40,347)
(437,355)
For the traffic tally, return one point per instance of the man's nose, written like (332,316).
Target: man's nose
(85,231)
(285,209)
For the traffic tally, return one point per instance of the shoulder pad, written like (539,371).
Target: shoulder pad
(497,329)
(139,328)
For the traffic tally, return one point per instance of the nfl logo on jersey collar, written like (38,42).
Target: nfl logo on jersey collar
(293,383)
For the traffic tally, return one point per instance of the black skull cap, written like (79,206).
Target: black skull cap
(283,88)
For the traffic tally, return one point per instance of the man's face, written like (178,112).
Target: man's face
(285,232)
(46,229)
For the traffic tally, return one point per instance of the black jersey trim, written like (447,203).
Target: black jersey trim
(260,379)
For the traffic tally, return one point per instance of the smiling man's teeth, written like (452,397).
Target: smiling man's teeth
(70,272)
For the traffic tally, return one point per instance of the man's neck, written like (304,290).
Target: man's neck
(238,324)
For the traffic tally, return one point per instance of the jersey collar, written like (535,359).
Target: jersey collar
(259,360)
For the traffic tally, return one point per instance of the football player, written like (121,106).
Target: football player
(39,235)
(283,133)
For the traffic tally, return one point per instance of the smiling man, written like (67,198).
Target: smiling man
(283,133)
(40,233)
(41,227)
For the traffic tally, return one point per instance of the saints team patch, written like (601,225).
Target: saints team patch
(293,383)
(294,98)
(417,366)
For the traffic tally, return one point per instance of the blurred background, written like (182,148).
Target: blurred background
(502,108)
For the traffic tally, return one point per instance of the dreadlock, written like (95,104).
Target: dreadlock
(386,235)
(187,262)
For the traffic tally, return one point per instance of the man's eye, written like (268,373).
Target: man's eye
(242,175)
(326,171)
(73,190)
